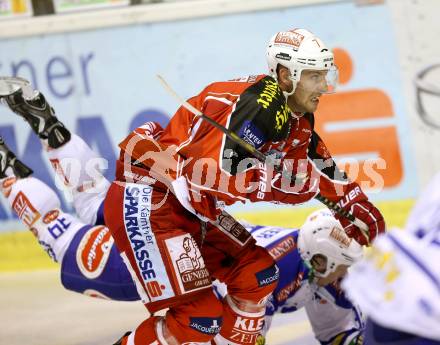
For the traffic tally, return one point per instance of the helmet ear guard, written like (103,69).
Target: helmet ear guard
(299,50)
(322,234)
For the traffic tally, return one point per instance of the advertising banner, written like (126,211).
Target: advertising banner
(79,5)
(420,68)
(103,83)
(15,8)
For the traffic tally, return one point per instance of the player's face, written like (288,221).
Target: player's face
(309,89)
(340,272)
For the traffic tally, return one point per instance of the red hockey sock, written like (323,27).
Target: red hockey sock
(239,327)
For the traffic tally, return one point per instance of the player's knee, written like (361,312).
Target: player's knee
(267,277)
(197,321)
(257,279)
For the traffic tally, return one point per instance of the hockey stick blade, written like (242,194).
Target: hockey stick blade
(259,155)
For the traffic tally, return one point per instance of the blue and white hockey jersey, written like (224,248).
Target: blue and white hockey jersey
(330,313)
(398,284)
(93,266)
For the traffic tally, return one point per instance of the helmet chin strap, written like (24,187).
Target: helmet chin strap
(312,272)
(294,83)
(287,94)
(290,93)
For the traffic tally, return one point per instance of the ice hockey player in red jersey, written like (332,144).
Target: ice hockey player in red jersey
(311,260)
(165,207)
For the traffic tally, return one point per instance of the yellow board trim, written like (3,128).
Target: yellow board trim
(19,250)
(394,212)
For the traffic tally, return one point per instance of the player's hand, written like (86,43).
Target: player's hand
(261,340)
(356,202)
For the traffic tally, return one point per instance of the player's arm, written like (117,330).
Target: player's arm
(350,337)
(335,322)
(334,185)
(141,148)
(144,155)
(256,120)
(156,149)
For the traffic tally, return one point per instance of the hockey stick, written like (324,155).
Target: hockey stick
(261,156)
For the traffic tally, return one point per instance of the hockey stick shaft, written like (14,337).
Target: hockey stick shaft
(231,135)
(259,155)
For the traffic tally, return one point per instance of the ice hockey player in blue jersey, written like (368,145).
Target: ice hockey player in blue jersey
(90,263)
(312,262)
(398,284)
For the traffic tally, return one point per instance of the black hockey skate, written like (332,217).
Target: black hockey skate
(8,159)
(41,117)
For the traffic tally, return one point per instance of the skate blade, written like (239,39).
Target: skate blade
(10,85)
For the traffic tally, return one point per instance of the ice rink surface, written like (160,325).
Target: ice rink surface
(36,310)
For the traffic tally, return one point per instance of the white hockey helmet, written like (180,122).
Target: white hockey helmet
(323,234)
(299,50)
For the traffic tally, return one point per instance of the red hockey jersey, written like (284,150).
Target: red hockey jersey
(218,171)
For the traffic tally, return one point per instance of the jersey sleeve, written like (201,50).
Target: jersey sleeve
(333,183)
(142,148)
(260,116)
(331,319)
(308,169)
